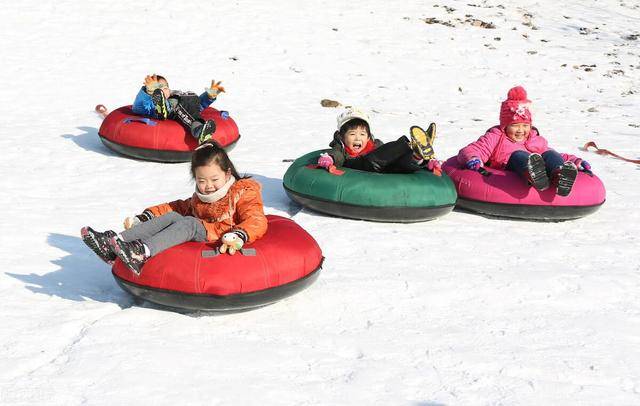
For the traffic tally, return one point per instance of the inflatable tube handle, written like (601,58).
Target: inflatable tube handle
(210,253)
(332,169)
(247,252)
(588,172)
(102,110)
(145,120)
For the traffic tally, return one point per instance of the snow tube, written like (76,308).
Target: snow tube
(504,194)
(385,197)
(160,140)
(195,276)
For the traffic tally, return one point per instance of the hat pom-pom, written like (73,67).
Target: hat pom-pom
(517,93)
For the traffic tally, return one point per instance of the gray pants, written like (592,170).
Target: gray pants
(165,231)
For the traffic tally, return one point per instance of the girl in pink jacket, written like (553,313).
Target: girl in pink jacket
(516,146)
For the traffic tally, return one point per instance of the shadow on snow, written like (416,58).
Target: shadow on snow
(90,141)
(82,275)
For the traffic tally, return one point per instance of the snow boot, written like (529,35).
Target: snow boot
(99,243)
(536,173)
(160,104)
(206,131)
(422,141)
(564,178)
(131,253)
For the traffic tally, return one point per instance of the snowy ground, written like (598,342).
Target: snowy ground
(464,310)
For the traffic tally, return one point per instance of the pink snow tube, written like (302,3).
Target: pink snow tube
(505,194)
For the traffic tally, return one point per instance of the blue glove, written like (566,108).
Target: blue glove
(474,164)
(584,165)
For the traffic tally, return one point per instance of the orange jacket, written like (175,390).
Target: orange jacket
(240,208)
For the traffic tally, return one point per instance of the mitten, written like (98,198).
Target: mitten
(435,166)
(137,219)
(474,164)
(214,90)
(151,83)
(325,160)
(583,165)
(233,241)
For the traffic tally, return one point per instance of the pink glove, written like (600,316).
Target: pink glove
(435,166)
(325,160)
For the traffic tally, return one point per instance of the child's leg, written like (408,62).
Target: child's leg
(552,161)
(360,163)
(166,231)
(563,174)
(187,112)
(186,229)
(160,104)
(405,159)
(405,164)
(385,157)
(518,162)
(148,228)
(531,167)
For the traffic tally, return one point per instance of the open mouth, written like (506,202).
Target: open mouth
(357,145)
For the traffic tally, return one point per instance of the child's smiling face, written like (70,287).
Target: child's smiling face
(518,132)
(356,138)
(210,178)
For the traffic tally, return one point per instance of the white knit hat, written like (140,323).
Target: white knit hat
(349,114)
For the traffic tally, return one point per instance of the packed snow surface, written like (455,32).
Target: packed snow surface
(463,310)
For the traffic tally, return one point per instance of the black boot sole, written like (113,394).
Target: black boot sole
(124,256)
(89,238)
(537,172)
(425,147)
(207,129)
(566,179)
(159,102)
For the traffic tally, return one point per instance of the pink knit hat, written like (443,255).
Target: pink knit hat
(516,109)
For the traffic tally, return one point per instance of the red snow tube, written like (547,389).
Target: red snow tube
(195,276)
(160,140)
(505,194)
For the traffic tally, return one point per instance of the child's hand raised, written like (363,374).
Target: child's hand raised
(151,83)
(214,89)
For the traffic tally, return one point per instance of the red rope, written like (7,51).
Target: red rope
(102,110)
(602,151)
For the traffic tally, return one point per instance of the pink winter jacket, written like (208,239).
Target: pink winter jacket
(494,148)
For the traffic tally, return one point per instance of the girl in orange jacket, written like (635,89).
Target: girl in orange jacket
(225,207)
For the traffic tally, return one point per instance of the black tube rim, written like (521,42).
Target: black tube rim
(388,214)
(527,211)
(155,155)
(218,303)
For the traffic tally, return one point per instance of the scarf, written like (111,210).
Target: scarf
(367,148)
(218,194)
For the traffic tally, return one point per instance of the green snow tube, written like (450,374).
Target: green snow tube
(387,197)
